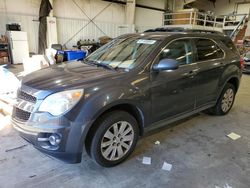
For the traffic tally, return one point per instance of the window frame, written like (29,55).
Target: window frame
(225,40)
(169,43)
(194,49)
(196,54)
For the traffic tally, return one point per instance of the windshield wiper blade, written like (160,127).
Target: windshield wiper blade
(106,66)
(99,64)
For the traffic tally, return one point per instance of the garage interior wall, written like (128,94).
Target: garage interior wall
(24,12)
(222,7)
(70,18)
(146,18)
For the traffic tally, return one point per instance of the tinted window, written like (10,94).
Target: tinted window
(179,50)
(229,43)
(207,49)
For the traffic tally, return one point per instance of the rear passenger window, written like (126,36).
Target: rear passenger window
(207,50)
(180,50)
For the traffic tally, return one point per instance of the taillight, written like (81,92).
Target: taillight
(241,63)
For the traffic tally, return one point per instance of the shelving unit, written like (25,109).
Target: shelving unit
(5,47)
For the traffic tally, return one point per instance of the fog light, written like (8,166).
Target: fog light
(54,139)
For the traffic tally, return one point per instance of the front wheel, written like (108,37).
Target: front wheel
(115,138)
(225,102)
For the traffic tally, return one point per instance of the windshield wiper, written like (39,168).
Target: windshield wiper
(107,66)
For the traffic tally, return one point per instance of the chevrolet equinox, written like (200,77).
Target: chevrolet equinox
(133,84)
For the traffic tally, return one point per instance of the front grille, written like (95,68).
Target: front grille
(26,97)
(20,115)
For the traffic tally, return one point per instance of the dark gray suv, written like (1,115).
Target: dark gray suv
(133,84)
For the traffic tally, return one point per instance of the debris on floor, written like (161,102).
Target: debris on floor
(3,160)
(233,136)
(225,186)
(146,160)
(19,147)
(157,142)
(32,176)
(166,166)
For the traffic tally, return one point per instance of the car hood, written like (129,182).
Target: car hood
(67,75)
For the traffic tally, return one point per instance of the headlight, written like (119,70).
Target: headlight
(58,103)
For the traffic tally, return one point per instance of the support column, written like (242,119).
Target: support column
(52,4)
(130,12)
(51,27)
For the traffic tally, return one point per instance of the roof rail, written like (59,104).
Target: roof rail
(180,29)
(166,29)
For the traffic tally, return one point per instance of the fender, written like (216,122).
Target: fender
(102,102)
(228,74)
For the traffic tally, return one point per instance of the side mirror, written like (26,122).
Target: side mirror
(166,64)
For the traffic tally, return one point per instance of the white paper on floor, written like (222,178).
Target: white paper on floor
(146,160)
(157,142)
(225,186)
(233,136)
(166,166)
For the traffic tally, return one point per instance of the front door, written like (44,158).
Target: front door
(173,92)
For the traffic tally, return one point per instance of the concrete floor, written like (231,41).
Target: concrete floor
(201,154)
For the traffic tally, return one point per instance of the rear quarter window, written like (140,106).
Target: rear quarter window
(229,44)
(207,50)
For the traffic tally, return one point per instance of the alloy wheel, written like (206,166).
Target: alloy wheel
(227,100)
(117,140)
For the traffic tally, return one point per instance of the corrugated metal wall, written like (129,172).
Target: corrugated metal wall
(140,28)
(28,24)
(70,19)
(67,28)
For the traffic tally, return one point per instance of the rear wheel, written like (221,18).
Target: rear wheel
(225,102)
(115,138)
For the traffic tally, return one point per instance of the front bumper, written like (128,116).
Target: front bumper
(37,127)
(68,150)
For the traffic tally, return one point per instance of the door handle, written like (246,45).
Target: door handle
(191,73)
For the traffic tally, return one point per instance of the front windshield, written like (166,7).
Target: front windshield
(123,53)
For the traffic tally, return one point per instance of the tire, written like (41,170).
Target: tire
(224,104)
(109,147)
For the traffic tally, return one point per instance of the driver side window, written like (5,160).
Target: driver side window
(179,50)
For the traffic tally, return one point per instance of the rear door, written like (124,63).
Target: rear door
(173,92)
(211,62)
